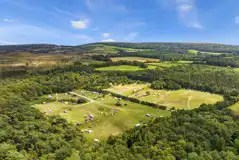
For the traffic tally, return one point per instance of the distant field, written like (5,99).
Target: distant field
(106,49)
(106,122)
(25,59)
(235,108)
(88,62)
(139,59)
(124,68)
(196,52)
(167,64)
(181,99)
(192,51)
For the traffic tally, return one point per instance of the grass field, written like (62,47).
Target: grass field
(124,68)
(235,108)
(167,64)
(139,59)
(181,99)
(105,49)
(127,90)
(109,118)
(192,51)
(195,52)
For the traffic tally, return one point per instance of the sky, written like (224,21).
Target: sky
(74,22)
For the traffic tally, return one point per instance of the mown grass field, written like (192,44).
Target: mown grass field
(139,59)
(180,99)
(127,90)
(124,68)
(235,108)
(106,122)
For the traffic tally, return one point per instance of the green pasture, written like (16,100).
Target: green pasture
(235,108)
(109,118)
(124,68)
(180,99)
(139,59)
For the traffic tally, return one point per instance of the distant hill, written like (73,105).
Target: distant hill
(114,47)
(177,47)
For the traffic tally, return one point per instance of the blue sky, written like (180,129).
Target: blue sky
(73,22)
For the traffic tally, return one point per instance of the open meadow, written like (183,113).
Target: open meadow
(180,99)
(235,108)
(139,59)
(100,117)
(124,68)
(167,64)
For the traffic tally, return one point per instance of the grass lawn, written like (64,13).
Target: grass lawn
(124,68)
(181,99)
(109,118)
(139,59)
(235,108)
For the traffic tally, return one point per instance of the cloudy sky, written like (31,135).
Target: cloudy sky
(72,22)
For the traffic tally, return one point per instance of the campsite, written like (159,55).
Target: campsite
(100,115)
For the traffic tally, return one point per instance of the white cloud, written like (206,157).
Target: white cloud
(21,33)
(185,7)
(106,35)
(188,13)
(108,40)
(7,20)
(131,36)
(81,24)
(237,20)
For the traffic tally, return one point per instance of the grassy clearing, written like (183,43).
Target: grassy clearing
(192,51)
(167,64)
(105,49)
(195,52)
(124,68)
(127,89)
(139,59)
(235,108)
(213,53)
(184,62)
(107,121)
(180,99)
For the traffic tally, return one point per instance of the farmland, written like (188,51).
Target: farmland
(180,99)
(124,68)
(109,119)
